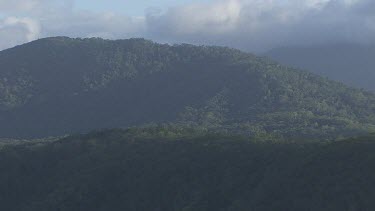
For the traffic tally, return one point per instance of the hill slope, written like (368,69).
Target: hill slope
(350,63)
(59,85)
(176,169)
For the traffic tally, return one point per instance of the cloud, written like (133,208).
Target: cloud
(253,25)
(27,20)
(257,25)
(14,31)
(89,24)
(197,18)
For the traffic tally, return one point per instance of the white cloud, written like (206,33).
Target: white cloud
(198,18)
(26,20)
(15,30)
(248,24)
(89,24)
(32,27)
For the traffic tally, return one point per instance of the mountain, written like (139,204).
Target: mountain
(176,169)
(59,85)
(352,64)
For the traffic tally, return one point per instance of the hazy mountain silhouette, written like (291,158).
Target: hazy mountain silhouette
(352,64)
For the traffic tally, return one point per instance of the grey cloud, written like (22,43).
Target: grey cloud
(253,25)
(258,25)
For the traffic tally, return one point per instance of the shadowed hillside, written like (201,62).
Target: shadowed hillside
(179,169)
(58,86)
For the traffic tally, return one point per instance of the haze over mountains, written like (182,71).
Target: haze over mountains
(58,86)
(353,64)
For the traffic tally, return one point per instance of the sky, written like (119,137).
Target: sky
(130,7)
(251,25)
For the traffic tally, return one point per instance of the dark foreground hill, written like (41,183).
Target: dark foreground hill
(185,169)
(58,86)
(350,63)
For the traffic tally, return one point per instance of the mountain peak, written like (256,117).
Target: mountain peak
(62,85)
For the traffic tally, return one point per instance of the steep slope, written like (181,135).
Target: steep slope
(59,85)
(178,169)
(350,63)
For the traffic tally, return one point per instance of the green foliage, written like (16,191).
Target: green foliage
(58,86)
(173,168)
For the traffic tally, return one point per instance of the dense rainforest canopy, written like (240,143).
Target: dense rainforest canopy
(180,169)
(58,86)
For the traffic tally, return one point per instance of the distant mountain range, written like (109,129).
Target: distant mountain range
(352,64)
(58,86)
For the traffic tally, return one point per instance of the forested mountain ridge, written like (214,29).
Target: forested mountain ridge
(180,169)
(56,86)
(353,64)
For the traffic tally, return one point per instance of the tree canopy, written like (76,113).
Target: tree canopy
(59,85)
(179,169)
